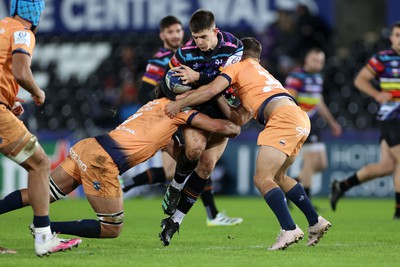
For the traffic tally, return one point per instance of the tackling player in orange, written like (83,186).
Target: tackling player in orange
(95,163)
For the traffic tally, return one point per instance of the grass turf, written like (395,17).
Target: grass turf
(363,234)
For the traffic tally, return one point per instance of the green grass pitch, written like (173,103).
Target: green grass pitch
(363,234)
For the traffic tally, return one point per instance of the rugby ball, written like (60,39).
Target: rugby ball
(175,84)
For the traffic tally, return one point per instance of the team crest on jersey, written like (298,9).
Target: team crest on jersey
(22,37)
(96,185)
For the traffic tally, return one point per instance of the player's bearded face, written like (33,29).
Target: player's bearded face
(207,39)
(314,62)
(172,36)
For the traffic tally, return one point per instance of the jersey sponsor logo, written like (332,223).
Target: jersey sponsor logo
(302,131)
(75,157)
(22,37)
(175,62)
(236,59)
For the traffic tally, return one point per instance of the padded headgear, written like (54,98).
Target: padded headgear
(29,10)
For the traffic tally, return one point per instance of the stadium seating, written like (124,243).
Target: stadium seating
(82,79)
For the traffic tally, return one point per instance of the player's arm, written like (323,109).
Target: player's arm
(222,127)
(293,84)
(200,95)
(146,93)
(363,83)
(238,115)
(21,68)
(327,115)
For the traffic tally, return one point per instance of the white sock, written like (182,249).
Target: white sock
(177,185)
(178,216)
(42,234)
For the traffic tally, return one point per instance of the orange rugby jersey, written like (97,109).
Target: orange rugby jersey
(148,130)
(254,86)
(14,38)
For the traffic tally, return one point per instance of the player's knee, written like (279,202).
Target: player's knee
(387,167)
(110,231)
(258,181)
(111,224)
(194,153)
(206,167)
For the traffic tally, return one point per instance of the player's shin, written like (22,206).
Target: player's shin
(189,194)
(12,201)
(83,228)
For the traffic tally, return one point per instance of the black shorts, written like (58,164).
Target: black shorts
(315,133)
(178,137)
(390,132)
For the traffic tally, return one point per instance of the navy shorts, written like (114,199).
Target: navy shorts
(390,132)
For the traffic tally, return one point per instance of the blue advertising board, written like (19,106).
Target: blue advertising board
(111,16)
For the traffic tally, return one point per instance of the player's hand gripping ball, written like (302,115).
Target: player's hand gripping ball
(175,84)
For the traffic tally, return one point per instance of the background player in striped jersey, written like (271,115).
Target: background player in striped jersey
(305,84)
(384,67)
(95,163)
(17,43)
(286,129)
(198,61)
(171,33)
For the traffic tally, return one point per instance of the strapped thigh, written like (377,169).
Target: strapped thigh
(112,218)
(24,149)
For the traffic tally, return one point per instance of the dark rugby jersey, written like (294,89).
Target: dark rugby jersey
(156,66)
(309,88)
(385,65)
(155,70)
(229,50)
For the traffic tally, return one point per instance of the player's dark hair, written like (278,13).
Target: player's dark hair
(308,51)
(394,25)
(168,21)
(201,20)
(251,47)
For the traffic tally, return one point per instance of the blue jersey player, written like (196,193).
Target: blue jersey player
(198,61)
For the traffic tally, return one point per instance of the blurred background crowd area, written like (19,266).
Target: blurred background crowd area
(92,75)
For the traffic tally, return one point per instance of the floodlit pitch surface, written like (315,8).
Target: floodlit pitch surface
(363,234)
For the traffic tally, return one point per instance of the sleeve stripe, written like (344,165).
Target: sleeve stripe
(189,121)
(226,76)
(19,50)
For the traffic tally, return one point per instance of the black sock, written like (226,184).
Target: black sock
(83,228)
(41,221)
(150,176)
(12,201)
(184,167)
(349,183)
(397,214)
(208,200)
(194,186)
